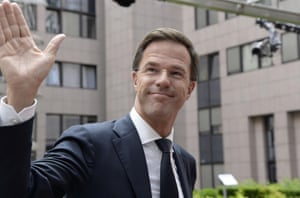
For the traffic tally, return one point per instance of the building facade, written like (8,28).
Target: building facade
(244,116)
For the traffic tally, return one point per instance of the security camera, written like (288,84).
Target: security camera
(262,48)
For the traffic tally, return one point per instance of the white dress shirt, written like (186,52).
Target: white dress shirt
(152,153)
(8,116)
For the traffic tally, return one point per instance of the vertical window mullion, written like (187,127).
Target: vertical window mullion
(298,44)
(81,76)
(60,74)
(207,17)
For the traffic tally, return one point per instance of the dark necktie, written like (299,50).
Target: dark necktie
(168,187)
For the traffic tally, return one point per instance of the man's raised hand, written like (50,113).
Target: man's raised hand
(23,65)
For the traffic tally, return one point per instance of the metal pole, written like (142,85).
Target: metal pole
(224,192)
(243,8)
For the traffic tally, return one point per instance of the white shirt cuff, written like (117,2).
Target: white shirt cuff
(9,116)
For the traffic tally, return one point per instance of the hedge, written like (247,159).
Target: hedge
(251,189)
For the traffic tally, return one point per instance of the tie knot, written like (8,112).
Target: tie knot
(164,145)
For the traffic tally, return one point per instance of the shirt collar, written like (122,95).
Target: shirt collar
(146,132)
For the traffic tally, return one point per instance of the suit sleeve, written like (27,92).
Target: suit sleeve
(65,167)
(15,151)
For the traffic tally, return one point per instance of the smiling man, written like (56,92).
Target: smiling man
(133,156)
(162,83)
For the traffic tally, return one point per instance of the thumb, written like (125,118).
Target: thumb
(54,44)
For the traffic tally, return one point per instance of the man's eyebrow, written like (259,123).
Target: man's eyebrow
(151,63)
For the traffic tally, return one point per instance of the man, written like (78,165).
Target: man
(112,159)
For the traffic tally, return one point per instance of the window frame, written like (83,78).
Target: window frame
(61,129)
(60,65)
(81,12)
(241,58)
(298,48)
(207,15)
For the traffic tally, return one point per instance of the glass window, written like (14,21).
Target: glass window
(53,129)
(70,120)
(205,149)
(212,17)
(214,92)
(290,49)
(217,148)
(57,123)
(70,23)
(71,4)
(266,61)
(89,77)
(54,76)
(88,6)
(216,120)
(29,11)
(250,62)
(88,26)
(215,66)
(233,60)
(52,22)
(203,68)
(200,18)
(72,17)
(71,75)
(54,3)
(203,94)
(204,121)
(270,148)
(89,119)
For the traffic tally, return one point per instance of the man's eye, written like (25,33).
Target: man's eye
(152,70)
(177,74)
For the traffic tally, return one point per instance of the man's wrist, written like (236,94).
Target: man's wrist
(9,116)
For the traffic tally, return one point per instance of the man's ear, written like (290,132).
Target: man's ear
(191,88)
(134,78)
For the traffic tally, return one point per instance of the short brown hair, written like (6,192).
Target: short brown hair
(162,34)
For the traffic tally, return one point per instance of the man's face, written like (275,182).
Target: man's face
(162,82)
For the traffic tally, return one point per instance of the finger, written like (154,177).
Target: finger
(2,37)
(10,16)
(4,23)
(24,30)
(54,44)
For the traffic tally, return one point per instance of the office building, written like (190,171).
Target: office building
(244,115)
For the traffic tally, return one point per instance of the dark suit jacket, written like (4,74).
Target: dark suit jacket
(101,160)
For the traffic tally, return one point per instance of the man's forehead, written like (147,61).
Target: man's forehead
(167,50)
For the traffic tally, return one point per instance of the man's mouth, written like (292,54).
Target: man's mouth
(162,94)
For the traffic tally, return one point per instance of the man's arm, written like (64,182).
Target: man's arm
(23,65)
(15,151)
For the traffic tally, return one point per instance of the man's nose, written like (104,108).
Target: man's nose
(163,79)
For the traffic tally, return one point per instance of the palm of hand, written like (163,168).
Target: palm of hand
(23,64)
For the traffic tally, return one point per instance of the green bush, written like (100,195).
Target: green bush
(254,192)
(231,191)
(251,189)
(208,193)
(290,188)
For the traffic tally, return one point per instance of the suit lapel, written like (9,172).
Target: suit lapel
(181,170)
(130,151)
